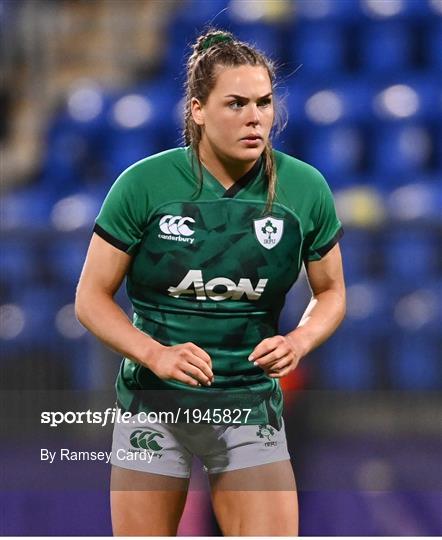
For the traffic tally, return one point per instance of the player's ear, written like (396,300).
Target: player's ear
(196,109)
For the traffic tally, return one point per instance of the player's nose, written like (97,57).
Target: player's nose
(252,114)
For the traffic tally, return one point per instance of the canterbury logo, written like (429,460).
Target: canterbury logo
(176,225)
(217,289)
(176,228)
(146,440)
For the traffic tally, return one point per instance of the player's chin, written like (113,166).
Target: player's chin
(248,154)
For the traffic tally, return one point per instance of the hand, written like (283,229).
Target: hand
(186,363)
(277,355)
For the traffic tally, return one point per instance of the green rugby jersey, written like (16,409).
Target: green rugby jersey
(212,266)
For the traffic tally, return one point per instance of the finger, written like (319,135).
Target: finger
(201,353)
(271,358)
(201,365)
(268,359)
(196,373)
(266,346)
(278,366)
(186,379)
(281,373)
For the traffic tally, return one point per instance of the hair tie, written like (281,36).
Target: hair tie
(209,41)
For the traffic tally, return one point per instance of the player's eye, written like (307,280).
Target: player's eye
(235,105)
(265,102)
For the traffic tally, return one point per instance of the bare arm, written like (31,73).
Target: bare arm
(103,272)
(327,306)
(281,354)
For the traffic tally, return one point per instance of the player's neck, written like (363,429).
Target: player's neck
(227,172)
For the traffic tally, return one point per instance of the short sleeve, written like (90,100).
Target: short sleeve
(123,215)
(326,227)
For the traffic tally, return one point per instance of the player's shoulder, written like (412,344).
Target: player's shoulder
(159,163)
(293,172)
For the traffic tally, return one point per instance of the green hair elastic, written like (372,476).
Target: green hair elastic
(213,40)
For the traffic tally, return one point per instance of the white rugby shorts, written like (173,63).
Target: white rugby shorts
(168,449)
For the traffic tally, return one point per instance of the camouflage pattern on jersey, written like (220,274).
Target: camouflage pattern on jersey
(213,270)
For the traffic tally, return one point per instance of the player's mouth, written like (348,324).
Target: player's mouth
(252,140)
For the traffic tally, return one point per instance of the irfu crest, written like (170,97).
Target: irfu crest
(269,231)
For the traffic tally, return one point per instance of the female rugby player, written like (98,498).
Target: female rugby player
(211,236)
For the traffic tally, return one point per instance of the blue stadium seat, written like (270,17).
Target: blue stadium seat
(319,106)
(411,97)
(419,10)
(171,134)
(296,91)
(136,122)
(38,306)
(166,121)
(410,256)
(124,149)
(78,211)
(267,38)
(161,93)
(328,10)
(402,11)
(435,290)
(38,326)
(19,266)
(28,207)
(401,150)
(434,47)
(74,344)
(358,250)
(201,12)
(335,150)
(419,199)
(369,311)
(70,145)
(385,48)
(417,309)
(439,153)
(414,361)
(349,98)
(65,258)
(177,48)
(356,96)
(75,139)
(348,363)
(319,49)
(428,90)
(191,19)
